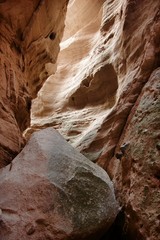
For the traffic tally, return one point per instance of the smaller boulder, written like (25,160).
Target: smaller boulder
(51,191)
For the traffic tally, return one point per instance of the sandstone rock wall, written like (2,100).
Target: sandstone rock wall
(104,62)
(29,45)
(138,175)
(96,101)
(103,96)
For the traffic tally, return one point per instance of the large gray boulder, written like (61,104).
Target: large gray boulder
(51,191)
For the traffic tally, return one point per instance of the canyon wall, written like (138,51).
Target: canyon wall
(104,62)
(104,99)
(29,45)
(101,94)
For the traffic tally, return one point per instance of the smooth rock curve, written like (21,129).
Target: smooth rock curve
(51,191)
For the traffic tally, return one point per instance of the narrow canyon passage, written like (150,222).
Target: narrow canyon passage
(92,71)
(108,53)
(78,97)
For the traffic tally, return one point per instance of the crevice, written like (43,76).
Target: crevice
(52,35)
(118,229)
(32,19)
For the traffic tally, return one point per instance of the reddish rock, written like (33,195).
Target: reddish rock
(106,59)
(138,175)
(26,50)
(51,191)
(109,51)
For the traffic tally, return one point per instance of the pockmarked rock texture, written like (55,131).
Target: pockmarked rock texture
(138,177)
(29,44)
(51,191)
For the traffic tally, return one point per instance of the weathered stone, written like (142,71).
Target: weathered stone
(108,52)
(54,192)
(125,36)
(138,177)
(26,50)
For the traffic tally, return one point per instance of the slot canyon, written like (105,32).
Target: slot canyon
(79,120)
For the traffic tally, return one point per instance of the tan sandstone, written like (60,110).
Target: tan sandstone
(102,94)
(106,60)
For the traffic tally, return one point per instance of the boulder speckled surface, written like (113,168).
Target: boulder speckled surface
(51,191)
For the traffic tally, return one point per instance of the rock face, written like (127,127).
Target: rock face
(103,97)
(138,178)
(29,45)
(105,62)
(51,191)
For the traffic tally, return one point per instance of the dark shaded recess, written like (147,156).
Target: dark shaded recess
(7,155)
(117,230)
(122,229)
(16,47)
(19,34)
(52,35)
(119,155)
(96,89)
(157,175)
(29,103)
(108,24)
(22,112)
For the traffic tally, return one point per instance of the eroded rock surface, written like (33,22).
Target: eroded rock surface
(51,191)
(106,57)
(29,45)
(108,53)
(138,177)
(105,62)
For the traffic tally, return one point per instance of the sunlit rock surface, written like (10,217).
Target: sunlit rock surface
(29,45)
(101,92)
(107,56)
(51,191)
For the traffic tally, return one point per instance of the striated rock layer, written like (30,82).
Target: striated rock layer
(105,60)
(29,45)
(108,53)
(103,97)
(51,191)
